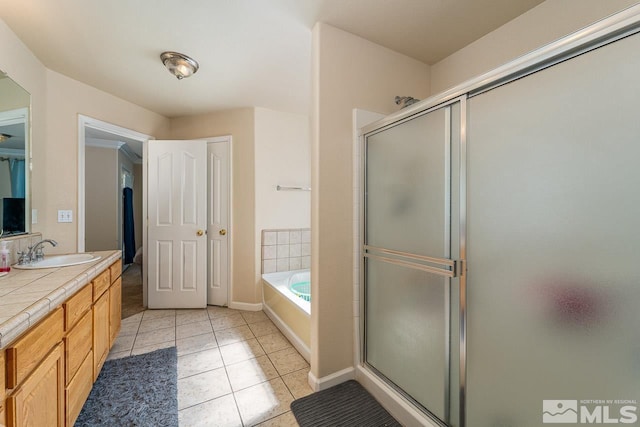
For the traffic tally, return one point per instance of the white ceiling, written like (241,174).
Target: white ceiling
(251,52)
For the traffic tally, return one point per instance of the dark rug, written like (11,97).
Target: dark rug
(135,391)
(347,404)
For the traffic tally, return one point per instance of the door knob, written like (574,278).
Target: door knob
(223,232)
(200,232)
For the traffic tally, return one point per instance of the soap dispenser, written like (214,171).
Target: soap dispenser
(4,258)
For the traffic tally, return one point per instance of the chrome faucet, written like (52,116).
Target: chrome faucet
(35,252)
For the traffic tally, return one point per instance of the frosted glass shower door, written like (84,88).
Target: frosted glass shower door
(408,248)
(553,230)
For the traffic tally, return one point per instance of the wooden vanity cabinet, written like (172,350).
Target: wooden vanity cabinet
(2,393)
(115,301)
(78,343)
(39,401)
(47,374)
(101,285)
(115,310)
(35,375)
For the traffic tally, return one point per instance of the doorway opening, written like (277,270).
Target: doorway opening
(111,208)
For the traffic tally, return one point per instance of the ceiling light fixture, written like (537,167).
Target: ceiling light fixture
(4,137)
(178,64)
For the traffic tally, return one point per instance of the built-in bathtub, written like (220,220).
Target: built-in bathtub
(290,312)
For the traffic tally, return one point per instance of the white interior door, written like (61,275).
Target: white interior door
(218,222)
(177,245)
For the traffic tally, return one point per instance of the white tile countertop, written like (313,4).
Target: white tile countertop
(27,296)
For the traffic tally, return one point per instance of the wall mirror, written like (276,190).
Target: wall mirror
(15,158)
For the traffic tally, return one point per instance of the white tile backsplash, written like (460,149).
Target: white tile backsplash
(305,249)
(295,263)
(295,250)
(295,236)
(269,266)
(306,262)
(21,243)
(282,264)
(269,252)
(283,251)
(269,237)
(283,237)
(286,249)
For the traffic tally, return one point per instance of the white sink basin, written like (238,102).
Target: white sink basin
(59,261)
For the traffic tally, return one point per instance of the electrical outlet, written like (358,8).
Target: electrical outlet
(65,216)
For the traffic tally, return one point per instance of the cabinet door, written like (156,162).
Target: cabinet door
(79,389)
(39,401)
(2,385)
(115,310)
(100,333)
(2,417)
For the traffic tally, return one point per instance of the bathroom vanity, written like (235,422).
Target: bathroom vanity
(62,323)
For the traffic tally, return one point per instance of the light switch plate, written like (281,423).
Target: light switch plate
(34,216)
(65,216)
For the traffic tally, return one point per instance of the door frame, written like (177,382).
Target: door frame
(84,123)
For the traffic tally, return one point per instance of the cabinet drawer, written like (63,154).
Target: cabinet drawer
(116,270)
(77,344)
(25,354)
(77,306)
(100,284)
(78,390)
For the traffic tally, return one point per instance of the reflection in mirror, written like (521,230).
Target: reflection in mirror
(14,157)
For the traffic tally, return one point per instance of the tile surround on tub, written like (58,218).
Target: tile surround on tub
(286,249)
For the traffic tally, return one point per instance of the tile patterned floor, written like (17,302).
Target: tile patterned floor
(235,368)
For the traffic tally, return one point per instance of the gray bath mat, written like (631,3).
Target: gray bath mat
(347,404)
(135,391)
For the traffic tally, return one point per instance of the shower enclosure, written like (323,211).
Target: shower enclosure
(500,241)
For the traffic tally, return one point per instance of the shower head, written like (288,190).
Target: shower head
(405,101)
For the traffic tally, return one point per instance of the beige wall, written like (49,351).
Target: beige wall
(240,124)
(101,202)
(282,156)
(348,72)
(541,25)
(56,101)
(66,98)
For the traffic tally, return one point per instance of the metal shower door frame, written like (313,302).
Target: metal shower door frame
(453,268)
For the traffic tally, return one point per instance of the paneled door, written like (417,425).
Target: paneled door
(177,219)
(218,221)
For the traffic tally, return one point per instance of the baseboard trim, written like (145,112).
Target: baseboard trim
(397,406)
(245,306)
(288,332)
(318,384)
